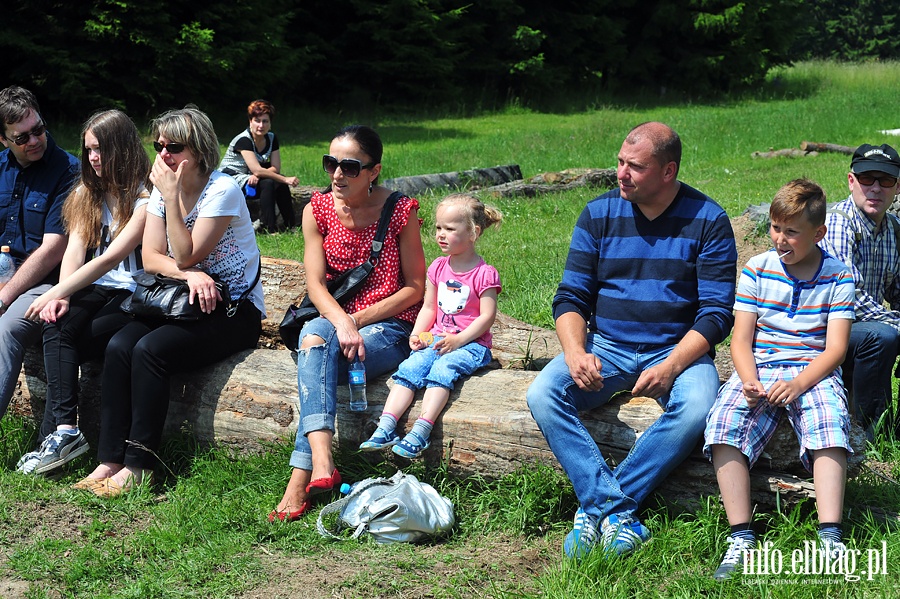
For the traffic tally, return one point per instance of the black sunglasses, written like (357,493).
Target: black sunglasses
(22,139)
(885,181)
(351,167)
(172,147)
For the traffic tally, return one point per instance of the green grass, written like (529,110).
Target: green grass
(201,531)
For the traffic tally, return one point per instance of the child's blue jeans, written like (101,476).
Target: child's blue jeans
(427,368)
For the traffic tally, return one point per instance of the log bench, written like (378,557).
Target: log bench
(486,428)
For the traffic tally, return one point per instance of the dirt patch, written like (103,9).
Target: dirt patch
(481,568)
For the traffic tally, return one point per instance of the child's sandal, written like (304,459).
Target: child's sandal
(411,446)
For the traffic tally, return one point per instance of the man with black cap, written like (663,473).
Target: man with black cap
(866,238)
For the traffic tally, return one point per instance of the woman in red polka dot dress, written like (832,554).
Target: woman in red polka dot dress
(338,228)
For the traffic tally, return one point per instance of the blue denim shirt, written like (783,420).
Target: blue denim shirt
(31,199)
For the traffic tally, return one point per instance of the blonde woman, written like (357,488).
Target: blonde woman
(197,225)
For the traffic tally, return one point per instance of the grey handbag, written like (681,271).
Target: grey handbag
(399,509)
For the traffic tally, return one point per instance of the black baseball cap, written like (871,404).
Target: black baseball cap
(881,158)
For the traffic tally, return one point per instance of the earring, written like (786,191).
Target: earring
(371,187)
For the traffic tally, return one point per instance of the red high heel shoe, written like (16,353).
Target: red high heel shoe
(323,485)
(287,516)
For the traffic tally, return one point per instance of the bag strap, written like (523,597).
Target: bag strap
(857,236)
(383,222)
(233,306)
(336,507)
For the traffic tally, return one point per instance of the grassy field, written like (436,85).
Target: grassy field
(201,531)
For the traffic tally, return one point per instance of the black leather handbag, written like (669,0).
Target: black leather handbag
(164,298)
(342,288)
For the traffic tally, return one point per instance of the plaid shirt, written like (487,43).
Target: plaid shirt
(872,255)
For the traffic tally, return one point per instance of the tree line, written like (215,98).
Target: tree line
(416,54)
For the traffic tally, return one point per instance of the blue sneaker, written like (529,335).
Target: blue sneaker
(583,537)
(60,447)
(623,534)
(411,446)
(379,440)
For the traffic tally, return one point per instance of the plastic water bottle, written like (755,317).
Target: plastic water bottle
(7,265)
(357,375)
(250,191)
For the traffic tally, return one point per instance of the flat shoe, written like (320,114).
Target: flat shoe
(323,485)
(88,484)
(110,488)
(287,516)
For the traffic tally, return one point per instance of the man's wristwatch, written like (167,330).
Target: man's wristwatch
(3,306)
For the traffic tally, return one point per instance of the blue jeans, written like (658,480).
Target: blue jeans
(867,369)
(16,335)
(427,368)
(321,368)
(555,401)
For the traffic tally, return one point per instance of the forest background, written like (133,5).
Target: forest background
(451,56)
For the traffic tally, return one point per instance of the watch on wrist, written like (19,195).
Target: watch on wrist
(3,306)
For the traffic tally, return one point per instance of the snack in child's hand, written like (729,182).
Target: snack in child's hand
(426,337)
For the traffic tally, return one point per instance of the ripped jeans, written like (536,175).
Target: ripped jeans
(320,369)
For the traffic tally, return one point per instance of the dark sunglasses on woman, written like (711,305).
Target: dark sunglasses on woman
(351,167)
(172,147)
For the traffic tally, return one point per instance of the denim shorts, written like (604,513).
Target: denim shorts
(427,368)
(819,416)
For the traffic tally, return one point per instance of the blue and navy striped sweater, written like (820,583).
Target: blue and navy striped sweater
(647,283)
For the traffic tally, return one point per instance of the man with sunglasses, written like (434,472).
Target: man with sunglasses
(35,178)
(866,238)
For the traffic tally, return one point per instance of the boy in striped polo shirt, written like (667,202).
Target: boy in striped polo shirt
(793,312)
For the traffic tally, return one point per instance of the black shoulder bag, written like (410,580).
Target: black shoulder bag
(158,297)
(342,288)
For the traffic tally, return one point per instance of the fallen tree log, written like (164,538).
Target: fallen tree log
(786,152)
(602,179)
(463,180)
(811,146)
(486,428)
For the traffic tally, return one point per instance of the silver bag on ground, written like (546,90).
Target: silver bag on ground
(392,510)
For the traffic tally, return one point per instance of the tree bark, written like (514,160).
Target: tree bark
(811,146)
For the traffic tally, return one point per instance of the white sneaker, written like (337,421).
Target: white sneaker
(834,550)
(28,462)
(734,557)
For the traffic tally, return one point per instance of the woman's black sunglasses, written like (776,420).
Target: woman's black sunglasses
(172,147)
(351,167)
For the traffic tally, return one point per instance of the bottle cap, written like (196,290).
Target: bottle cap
(4,249)
(345,488)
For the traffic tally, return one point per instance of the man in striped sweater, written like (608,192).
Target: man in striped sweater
(646,295)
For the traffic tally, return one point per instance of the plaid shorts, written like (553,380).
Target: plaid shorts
(819,416)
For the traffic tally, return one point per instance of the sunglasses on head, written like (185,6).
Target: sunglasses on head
(885,181)
(172,147)
(351,167)
(22,139)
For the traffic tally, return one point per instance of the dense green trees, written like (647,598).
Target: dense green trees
(144,57)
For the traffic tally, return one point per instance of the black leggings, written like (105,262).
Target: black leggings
(80,335)
(140,358)
(271,193)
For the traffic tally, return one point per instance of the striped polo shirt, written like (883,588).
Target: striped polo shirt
(792,315)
